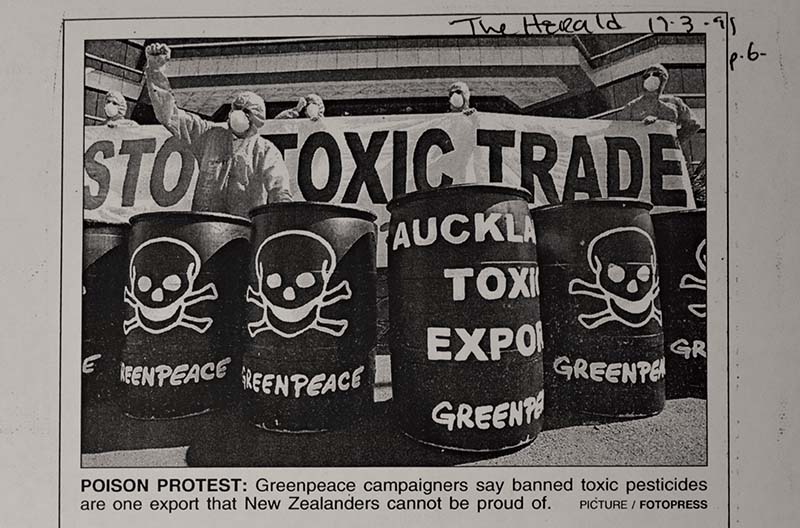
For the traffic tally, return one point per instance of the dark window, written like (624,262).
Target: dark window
(694,80)
(695,102)
(132,56)
(626,91)
(117,51)
(94,64)
(683,79)
(90,102)
(675,83)
(607,92)
(96,47)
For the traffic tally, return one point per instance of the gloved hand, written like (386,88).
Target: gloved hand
(157,55)
(301,104)
(649,120)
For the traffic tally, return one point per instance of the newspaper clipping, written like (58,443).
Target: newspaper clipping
(397,269)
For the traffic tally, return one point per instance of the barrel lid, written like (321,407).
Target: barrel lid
(343,210)
(664,214)
(190,216)
(87,222)
(460,187)
(615,201)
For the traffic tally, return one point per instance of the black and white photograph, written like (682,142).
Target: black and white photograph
(395,250)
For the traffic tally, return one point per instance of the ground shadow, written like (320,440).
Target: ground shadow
(105,428)
(376,441)
(676,392)
(560,417)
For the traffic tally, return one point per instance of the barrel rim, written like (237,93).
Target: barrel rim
(614,200)
(90,222)
(191,216)
(351,210)
(664,214)
(413,196)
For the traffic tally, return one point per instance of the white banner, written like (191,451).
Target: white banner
(368,160)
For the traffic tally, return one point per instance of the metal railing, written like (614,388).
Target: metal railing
(620,47)
(606,113)
(642,43)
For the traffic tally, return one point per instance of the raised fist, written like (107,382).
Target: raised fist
(301,104)
(157,55)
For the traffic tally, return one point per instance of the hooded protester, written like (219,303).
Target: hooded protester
(115,109)
(239,169)
(459,98)
(310,106)
(654,105)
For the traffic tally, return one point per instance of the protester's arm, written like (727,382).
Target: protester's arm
(122,123)
(290,113)
(293,113)
(185,125)
(688,125)
(630,111)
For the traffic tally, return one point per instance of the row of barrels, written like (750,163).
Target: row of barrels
(492,307)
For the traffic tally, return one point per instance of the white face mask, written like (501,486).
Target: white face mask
(238,121)
(312,110)
(457,100)
(652,83)
(111,110)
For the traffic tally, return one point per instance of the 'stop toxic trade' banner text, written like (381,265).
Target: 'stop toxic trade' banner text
(368,160)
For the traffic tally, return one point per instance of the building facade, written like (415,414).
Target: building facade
(588,76)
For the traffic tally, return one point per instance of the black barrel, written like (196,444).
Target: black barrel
(465,333)
(187,275)
(681,246)
(600,308)
(309,363)
(103,310)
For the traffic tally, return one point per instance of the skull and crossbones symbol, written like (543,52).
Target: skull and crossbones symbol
(293,269)
(162,276)
(629,289)
(689,281)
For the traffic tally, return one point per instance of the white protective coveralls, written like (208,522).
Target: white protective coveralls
(237,172)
